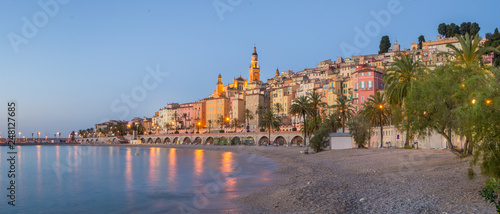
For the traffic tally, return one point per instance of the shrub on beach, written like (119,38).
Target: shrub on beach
(319,140)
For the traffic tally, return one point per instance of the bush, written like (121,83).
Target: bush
(221,131)
(360,130)
(176,132)
(294,129)
(489,193)
(319,140)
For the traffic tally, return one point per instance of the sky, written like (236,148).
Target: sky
(71,64)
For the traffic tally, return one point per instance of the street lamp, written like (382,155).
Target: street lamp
(199,127)
(38,133)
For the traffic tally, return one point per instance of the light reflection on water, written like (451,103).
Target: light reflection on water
(116,180)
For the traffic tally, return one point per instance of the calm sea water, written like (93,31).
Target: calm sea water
(75,179)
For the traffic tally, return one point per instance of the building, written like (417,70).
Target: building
(188,110)
(366,82)
(254,70)
(254,99)
(200,113)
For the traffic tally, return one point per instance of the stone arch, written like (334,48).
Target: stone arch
(197,140)
(210,140)
(91,141)
(186,140)
(158,141)
(87,141)
(280,140)
(97,140)
(222,141)
(297,140)
(114,140)
(236,141)
(263,140)
(248,141)
(150,140)
(143,141)
(174,141)
(167,141)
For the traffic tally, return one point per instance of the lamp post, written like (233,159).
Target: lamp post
(19,135)
(199,127)
(38,133)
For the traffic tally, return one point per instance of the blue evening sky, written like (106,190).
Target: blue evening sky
(74,65)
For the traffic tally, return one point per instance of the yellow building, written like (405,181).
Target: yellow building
(283,96)
(215,108)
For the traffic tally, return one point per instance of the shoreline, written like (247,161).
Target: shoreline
(359,181)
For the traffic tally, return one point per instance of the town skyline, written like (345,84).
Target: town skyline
(91,90)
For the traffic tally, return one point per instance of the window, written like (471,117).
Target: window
(362,98)
(368,73)
(362,74)
(370,84)
(355,85)
(362,85)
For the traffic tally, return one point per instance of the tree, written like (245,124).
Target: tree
(333,121)
(431,105)
(493,40)
(316,103)
(359,128)
(421,39)
(248,117)
(259,111)
(400,76)
(452,29)
(184,115)
(474,29)
(278,108)
(465,28)
(320,139)
(209,125)
(301,107)
(175,119)
(470,53)
(270,121)
(442,29)
(220,121)
(344,107)
(234,123)
(376,112)
(385,44)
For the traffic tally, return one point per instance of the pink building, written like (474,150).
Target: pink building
(366,82)
(188,109)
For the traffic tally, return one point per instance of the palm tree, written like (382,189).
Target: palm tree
(184,115)
(248,117)
(197,119)
(316,104)
(470,52)
(270,121)
(259,111)
(344,108)
(220,120)
(209,125)
(234,123)
(404,72)
(301,106)
(376,112)
(333,121)
(175,119)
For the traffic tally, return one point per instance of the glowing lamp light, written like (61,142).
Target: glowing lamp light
(488,102)
(473,101)
(380,106)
